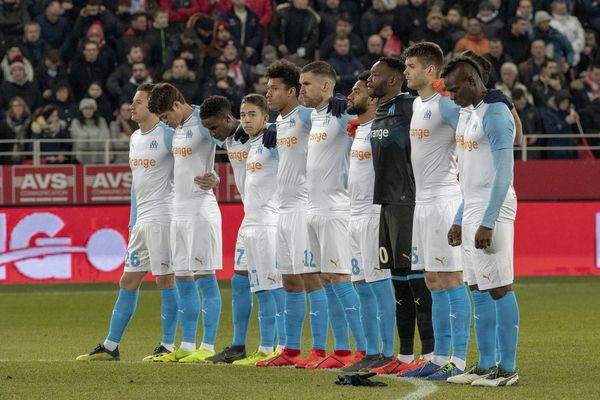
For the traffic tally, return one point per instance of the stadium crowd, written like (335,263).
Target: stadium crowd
(70,68)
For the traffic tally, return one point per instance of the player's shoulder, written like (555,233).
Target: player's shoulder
(496,110)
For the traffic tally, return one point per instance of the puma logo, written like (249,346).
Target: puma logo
(440,259)
(164,264)
(271,279)
(335,263)
(406,256)
(418,301)
(487,277)
(399,302)
(199,260)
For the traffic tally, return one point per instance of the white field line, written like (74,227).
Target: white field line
(424,387)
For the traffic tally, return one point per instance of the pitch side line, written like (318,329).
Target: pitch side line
(424,388)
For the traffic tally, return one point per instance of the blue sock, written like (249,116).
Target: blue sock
(189,306)
(319,318)
(169,311)
(211,307)
(386,314)
(440,318)
(368,317)
(507,330)
(337,319)
(484,315)
(460,320)
(279,297)
(124,309)
(241,308)
(266,317)
(295,312)
(349,299)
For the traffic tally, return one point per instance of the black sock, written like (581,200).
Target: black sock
(422,301)
(405,316)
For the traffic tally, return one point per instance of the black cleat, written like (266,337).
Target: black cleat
(229,355)
(159,351)
(100,353)
(363,364)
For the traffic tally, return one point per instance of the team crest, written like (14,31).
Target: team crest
(327,120)
(259,149)
(427,115)
(392,109)
(154,144)
(292,122)
(188,134)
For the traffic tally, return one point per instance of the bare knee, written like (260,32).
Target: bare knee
(131,280)
(312,282)
(293,283)
(500,292)
(432,281)
(338,278)
(449,280)
(165,281)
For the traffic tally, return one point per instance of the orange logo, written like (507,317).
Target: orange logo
(182,151)
(237,155)
(470,145)
(287,141)
(142,162)
(253,166)
(419,133)
(360,155)
(317,137)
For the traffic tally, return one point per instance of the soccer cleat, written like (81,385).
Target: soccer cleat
(380,362)
(363,363)
(229,355)
(173,357)
(283,359)
(424,371)
(358,355)
(395,366)
(445,372)
(498,377)
(411,366)
(158,352)
(470,375)
(252,359)
(337,359)
(100,353)
(315,356)
(198,356)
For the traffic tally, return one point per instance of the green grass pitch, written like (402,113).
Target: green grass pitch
(44,327)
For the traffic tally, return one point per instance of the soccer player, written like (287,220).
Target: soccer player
(433,157)
(328,213)
(395,191)
(374,287)
(484,222)
(196,227)
(151,162)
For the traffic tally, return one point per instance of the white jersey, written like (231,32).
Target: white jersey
(194,154)
(461,126)
(292,145)
(478,166)
(260,200)
(361,174)
(433,145)
(238,154)
(327,164)
(151,163)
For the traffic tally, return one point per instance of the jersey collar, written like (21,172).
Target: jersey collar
(290,113)
(151,129)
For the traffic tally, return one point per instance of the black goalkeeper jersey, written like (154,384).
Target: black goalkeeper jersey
(390,141)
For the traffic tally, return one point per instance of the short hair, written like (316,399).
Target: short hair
(90,42)
(160,11)
(139,62)
(320,68)
(134,46)
(465,58)
(396,64)
(338,37)
(509,66)
(32,23)
(428,53)
(288,72)
(145,87)
(518,94)
(257,100)
(484,63)
(516,18)
(496,39)
(138,14)
(345,17)
(162,98)
(215,106)
(94,2)
(456,8)
(363,76)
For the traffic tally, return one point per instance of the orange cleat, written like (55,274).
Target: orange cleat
(394,367)
(287,358)
(315,356)
(415,364)
(337,359)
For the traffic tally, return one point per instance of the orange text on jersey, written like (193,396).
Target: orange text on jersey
(287,141)
(317,137)
(419,133)
(237,155)
(182,151)
(253,166)
(470,145)
(142,162)
(360,155)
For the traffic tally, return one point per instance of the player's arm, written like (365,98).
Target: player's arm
(496,96)
(518,127)
(455,232)
(208,181)
(450,112)
(498,126)
(132,209)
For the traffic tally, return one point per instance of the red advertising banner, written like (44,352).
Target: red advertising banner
(48,185)
(106,185)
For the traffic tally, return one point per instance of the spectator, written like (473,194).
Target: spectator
(244,26)
(589,54)
(48,126)
(107,56)
(392,46)
(55,28)
(13,16)
(19,86)
(592,11)
(238,70)
(435,32)
(374,51)
(516,41)
(264,11)
(569,26)
(103,104)
(123,16)
(375,18)
(475,40)
(121,130)
(491,25)
(330,13)
(181,10)
(160,34)
(15,127)
(590,121)
(33,47)
(205,32)
(94,11)
(14,54)
(509,82)
(531,120)
(90,129)
(525,11)
(587,88)
(50,72)
(497,57)
(530,70)
(343,28)
(87,69)
(562,49)
(138,35)
(560,118)
(455,24)
(222,85)
(222,37)
(547,85)
(259,84)
(345,64)
(139,75)
(269,56)
(64,102)
(184,80)
(409,18)
(120,76)
(295,30)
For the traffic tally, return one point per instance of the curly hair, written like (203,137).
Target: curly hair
(215,106)
(258,100)
(465,59)
(395,64)
(486,66)
(363,76)
(286,71)
(162,98)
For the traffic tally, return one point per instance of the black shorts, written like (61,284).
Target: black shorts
(395,236)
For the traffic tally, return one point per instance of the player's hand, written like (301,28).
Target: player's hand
(240,136)
(496,96)
(337,105)
(351,127)
(455,235)
(206,181)
(483,237)
(270,137)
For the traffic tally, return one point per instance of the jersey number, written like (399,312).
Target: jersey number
(309,259)
(415,256)
(383,255)
(240,252)
(254,278)
(132,259)
(355,267)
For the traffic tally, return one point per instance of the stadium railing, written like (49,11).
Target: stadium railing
(525,148)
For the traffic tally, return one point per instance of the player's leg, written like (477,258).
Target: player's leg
(210,310)
(279,297)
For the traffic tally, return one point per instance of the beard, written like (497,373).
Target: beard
(357,109)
